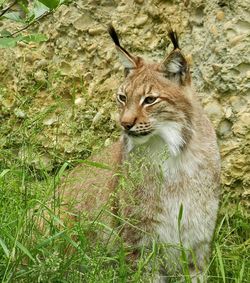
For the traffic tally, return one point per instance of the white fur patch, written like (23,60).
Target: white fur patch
(165,149)
(171,134)
(174,66)
(134,141)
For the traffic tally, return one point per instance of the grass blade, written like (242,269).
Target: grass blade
(5,249)
(49,240)
(94,164)
(61,171)
(4,172)
(24,250)
(221,265)
(241,273)
(180,217)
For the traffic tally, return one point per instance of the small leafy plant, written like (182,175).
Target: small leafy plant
(24,14)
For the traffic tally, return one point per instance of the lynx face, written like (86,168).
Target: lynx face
(152,98)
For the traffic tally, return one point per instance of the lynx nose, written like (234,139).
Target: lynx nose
(127,125)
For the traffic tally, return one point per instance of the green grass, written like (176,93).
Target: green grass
(33,160)
(27,255)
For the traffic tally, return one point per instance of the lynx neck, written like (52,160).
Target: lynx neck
(164,150)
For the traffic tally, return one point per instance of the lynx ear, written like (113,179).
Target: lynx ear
(175,66)
(128,61)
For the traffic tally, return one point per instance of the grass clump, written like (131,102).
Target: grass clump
(68,254)
(35,148)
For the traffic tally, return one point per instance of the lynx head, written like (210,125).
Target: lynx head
(152,99)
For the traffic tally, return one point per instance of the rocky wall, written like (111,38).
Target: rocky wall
(79,65)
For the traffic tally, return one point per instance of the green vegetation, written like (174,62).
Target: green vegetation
(29,174)
(25,14)
(46,124)
(27,255)
(45,128)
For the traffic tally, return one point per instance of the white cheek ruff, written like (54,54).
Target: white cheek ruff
(171,133)
(135,141)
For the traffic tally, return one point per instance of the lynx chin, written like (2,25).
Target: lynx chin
(164,181)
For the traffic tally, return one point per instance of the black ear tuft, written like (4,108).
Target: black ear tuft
(174,38)
(115,38)
(113,35)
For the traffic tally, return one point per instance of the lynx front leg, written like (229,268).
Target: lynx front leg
(197,271)
(197,277)
(159,279)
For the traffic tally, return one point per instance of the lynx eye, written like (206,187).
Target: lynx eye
(149,100)
(122,98)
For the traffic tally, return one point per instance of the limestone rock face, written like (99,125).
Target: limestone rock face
(79,65)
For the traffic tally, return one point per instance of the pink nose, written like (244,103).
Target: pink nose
(127,125)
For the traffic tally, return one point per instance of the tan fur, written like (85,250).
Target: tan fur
(157,183)
(89,189)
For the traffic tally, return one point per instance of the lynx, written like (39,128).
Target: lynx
(168,156)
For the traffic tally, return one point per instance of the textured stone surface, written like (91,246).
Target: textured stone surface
(215,36)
